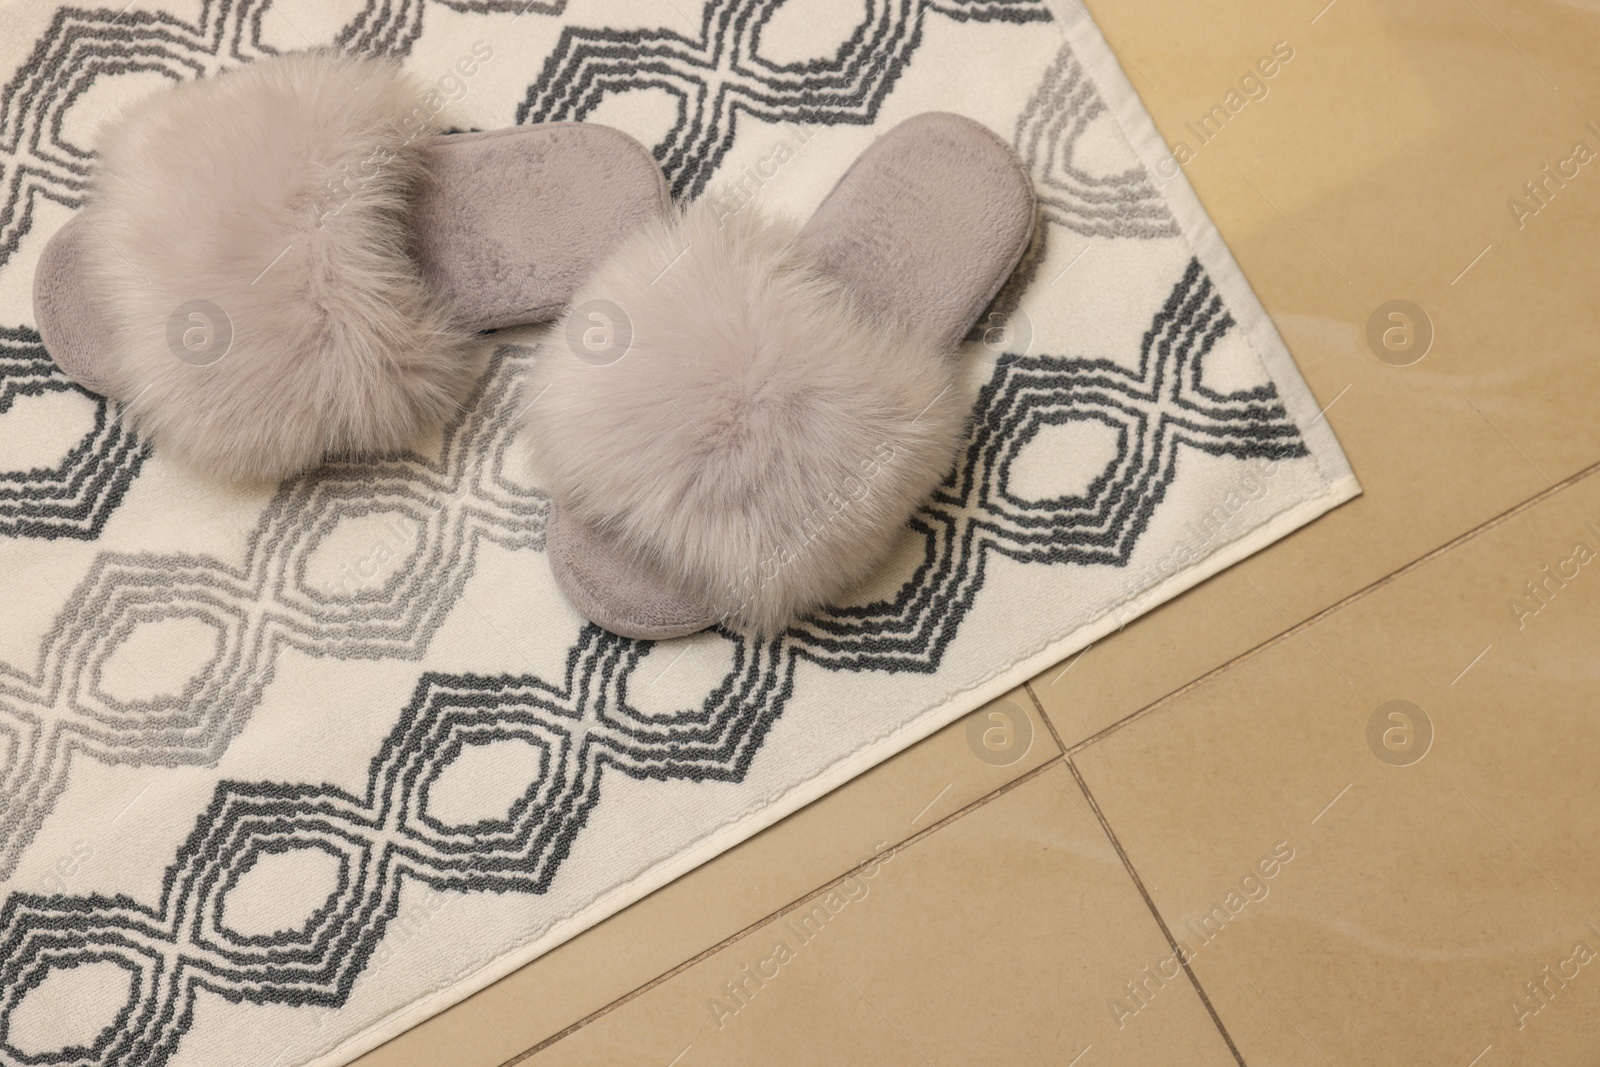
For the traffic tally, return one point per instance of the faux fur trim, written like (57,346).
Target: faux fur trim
(278,195)
(761,439)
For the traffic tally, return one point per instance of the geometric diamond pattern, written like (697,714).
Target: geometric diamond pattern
(75,497)
(585,727)
(1157,410)
(576,732)
(584,730)
(718,74)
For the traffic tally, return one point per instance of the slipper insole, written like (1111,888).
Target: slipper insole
(928,223)
(517,218)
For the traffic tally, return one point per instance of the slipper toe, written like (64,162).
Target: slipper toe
(73,335)
(603,581)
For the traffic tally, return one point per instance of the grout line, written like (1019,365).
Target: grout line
(1155,913)
(1061,747)
(1365,591)
(1290,622)
(1093,825)
(753,926)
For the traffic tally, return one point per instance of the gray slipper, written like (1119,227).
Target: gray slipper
(289,259)
(779,399)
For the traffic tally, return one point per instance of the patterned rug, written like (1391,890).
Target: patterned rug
(248,740)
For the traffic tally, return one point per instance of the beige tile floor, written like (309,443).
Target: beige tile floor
(1227,774)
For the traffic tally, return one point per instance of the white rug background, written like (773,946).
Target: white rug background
(165,645)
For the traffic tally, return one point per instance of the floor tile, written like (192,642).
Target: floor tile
(1379,163)
(901,797)
(1000,938)
(1432,860)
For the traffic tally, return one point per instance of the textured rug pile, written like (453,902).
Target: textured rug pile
(246,737)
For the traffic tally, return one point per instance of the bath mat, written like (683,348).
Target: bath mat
(284,772)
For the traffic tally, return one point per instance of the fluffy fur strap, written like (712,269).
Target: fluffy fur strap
(249,245)
(750,430)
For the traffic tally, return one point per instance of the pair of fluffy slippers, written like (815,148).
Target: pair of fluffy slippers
(734,415)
